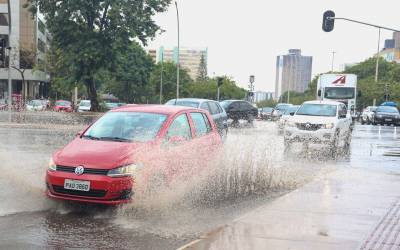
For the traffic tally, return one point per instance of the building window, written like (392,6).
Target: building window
(42,26)
(3,20)
(41,46)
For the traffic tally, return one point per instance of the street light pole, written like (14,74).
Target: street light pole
(9,61)
(161,77)
(377,56)
(333,60)
(178,59)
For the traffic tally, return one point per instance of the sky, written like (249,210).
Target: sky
(245,37)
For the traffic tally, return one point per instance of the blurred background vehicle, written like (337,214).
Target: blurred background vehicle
(279,110)
(367,115)
(62,105)
(84,106)
(36,105)
(285,117)
(386,115)
(391,104)
(266,113)
(213,107)
(239,110)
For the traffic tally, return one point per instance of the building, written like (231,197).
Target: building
(391,50)
(262,96)
(28,41)
(190,59)
(153,54)
(293,72)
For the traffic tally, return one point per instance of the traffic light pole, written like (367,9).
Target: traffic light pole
(379,36)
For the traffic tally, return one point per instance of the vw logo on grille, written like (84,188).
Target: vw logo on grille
(79,170)
(308,125)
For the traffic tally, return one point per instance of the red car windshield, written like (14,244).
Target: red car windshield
(126,127)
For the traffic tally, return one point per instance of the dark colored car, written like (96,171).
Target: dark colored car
(239,110)
(386,115)
(213,107)
(266,113)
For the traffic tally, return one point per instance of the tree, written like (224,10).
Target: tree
(85,33)
(169,82)
(202,74)
(131,75)
(208,89)
(27,59)
(389,74)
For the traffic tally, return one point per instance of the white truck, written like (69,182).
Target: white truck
(339,87)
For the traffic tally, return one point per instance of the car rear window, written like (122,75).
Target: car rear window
(387,109)
(214,108)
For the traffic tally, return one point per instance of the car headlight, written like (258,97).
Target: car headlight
(124,171)
(290,124)
(52,166)
(329,126)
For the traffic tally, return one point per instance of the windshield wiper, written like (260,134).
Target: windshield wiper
(90,137)
(118,139)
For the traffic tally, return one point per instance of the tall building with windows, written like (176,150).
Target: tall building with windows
(190,59)
(293,72)
(29,41)
(391,50)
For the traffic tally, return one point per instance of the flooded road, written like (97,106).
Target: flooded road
(253,170)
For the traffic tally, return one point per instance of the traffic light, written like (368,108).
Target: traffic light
(2,52)
(220,81)
(328,21)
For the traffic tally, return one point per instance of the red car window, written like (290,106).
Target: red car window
(200,124)
(180,127)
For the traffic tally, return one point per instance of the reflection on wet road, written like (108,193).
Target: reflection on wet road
(29,220)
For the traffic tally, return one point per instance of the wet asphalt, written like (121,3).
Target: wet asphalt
(28,220)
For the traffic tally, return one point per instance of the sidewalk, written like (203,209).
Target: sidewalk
(351,208)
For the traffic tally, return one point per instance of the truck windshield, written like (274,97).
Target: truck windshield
(317,110)
(339,93)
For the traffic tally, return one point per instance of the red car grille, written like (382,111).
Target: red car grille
(86,171)
(91,193)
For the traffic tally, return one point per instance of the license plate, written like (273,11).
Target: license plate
(388,120)
(77,185)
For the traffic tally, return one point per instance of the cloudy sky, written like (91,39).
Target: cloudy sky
(244,37)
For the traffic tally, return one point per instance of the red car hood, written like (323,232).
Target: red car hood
(97,154)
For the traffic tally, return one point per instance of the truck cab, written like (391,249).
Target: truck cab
(339,87)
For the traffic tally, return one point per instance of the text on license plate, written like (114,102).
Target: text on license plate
(77,185)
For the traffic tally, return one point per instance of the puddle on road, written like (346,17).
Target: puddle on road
(250,170)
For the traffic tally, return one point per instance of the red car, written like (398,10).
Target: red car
(130,145)
(62,105)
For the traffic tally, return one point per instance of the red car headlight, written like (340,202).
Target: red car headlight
(52,166)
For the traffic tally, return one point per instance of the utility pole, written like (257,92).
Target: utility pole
(333,60)
(251,88)
(178,59)
(161,77)
(9,61)
(377,55)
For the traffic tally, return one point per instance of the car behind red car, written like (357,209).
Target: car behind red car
(62,105)
(102,164)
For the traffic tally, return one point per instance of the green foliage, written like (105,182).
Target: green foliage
(130,77)
(202,74)
(169,82)
(208,89)
(267,103)
(389,73)
(86,34)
